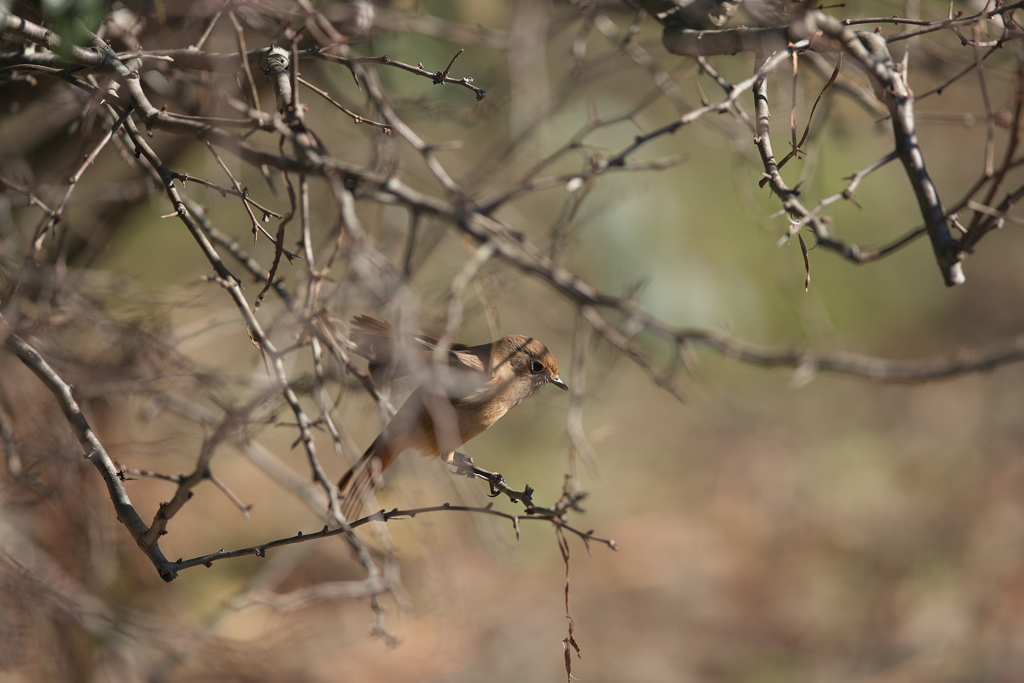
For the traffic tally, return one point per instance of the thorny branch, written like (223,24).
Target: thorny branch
(297,157)
(553,515)
(94,449)
(871,54)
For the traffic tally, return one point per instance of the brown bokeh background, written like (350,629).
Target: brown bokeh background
(776,526)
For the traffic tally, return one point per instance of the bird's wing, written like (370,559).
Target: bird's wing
(374,340)
(377,341)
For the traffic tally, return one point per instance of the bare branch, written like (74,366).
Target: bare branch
(94,450)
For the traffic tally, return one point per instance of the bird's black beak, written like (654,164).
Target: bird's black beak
(559,383)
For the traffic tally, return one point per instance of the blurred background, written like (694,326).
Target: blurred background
(774,525)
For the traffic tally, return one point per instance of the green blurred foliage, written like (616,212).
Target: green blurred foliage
(74,20)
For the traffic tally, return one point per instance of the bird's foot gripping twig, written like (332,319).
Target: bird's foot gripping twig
(464,466)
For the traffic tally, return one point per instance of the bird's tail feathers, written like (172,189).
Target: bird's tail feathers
(365,477)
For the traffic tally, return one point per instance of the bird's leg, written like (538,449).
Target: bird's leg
(464,467)
(462,463)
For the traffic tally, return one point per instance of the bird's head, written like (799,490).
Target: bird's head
(527,360)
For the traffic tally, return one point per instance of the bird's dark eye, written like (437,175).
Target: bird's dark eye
(536,366)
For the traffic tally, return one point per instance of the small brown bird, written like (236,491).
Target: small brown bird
(465,396)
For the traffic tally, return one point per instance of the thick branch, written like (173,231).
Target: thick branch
(94,450)
(871,53)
